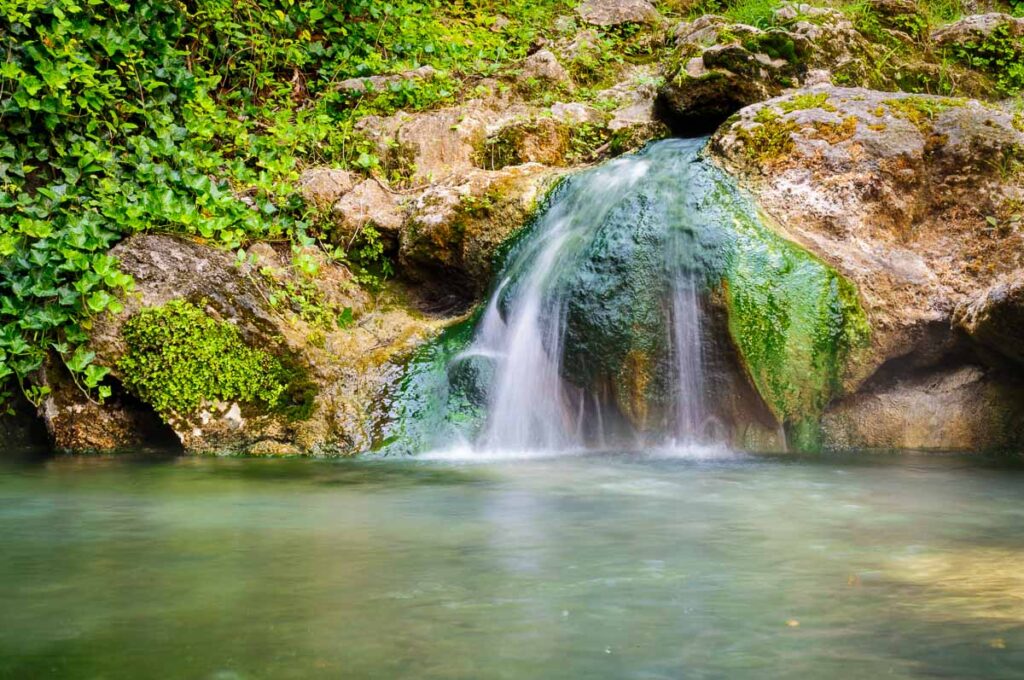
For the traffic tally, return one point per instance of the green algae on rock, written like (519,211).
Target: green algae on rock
(796,323)
(437,400)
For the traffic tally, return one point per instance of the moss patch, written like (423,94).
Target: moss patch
(179,357)
(810,100)
(921,111)
(795,321)
(770,139)
(833,133)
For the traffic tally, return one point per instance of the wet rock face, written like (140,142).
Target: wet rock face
(899,194)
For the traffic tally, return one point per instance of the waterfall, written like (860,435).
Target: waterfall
(531,404)
(688,392)
(649,305)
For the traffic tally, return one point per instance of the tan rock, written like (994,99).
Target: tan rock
(995,316)
(368,203)
(455,228)
(965,408)
(344,369)
(543,66)
(322,186)
(976,28)
(893,191)
(617,12)
(381,82)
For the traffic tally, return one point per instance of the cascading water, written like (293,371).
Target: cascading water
(648,305)
(531,403)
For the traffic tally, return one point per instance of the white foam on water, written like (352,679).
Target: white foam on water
(465,453)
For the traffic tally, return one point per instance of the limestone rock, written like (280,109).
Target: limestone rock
(976,28)
(380,83)
(322,186)
(543,66)
(342,369)
(533,139)
(893,191)
(617,12)
(995,317)
(455,228)
(574,113)
(74,422)
(903,16)
(964,408)
(368,203)
(429,146)
(718,67)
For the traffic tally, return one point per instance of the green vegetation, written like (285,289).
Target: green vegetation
(796,322)
(770,139)
(193,118)
(179,357)
(807,100)
(921,111)
(1000,56)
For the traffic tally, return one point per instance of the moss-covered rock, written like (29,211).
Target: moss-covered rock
(244,355)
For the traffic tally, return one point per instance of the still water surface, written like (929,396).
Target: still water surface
(596,566)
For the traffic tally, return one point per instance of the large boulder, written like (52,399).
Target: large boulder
(963,408)
(915,199)
(455,228)
(337,350)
